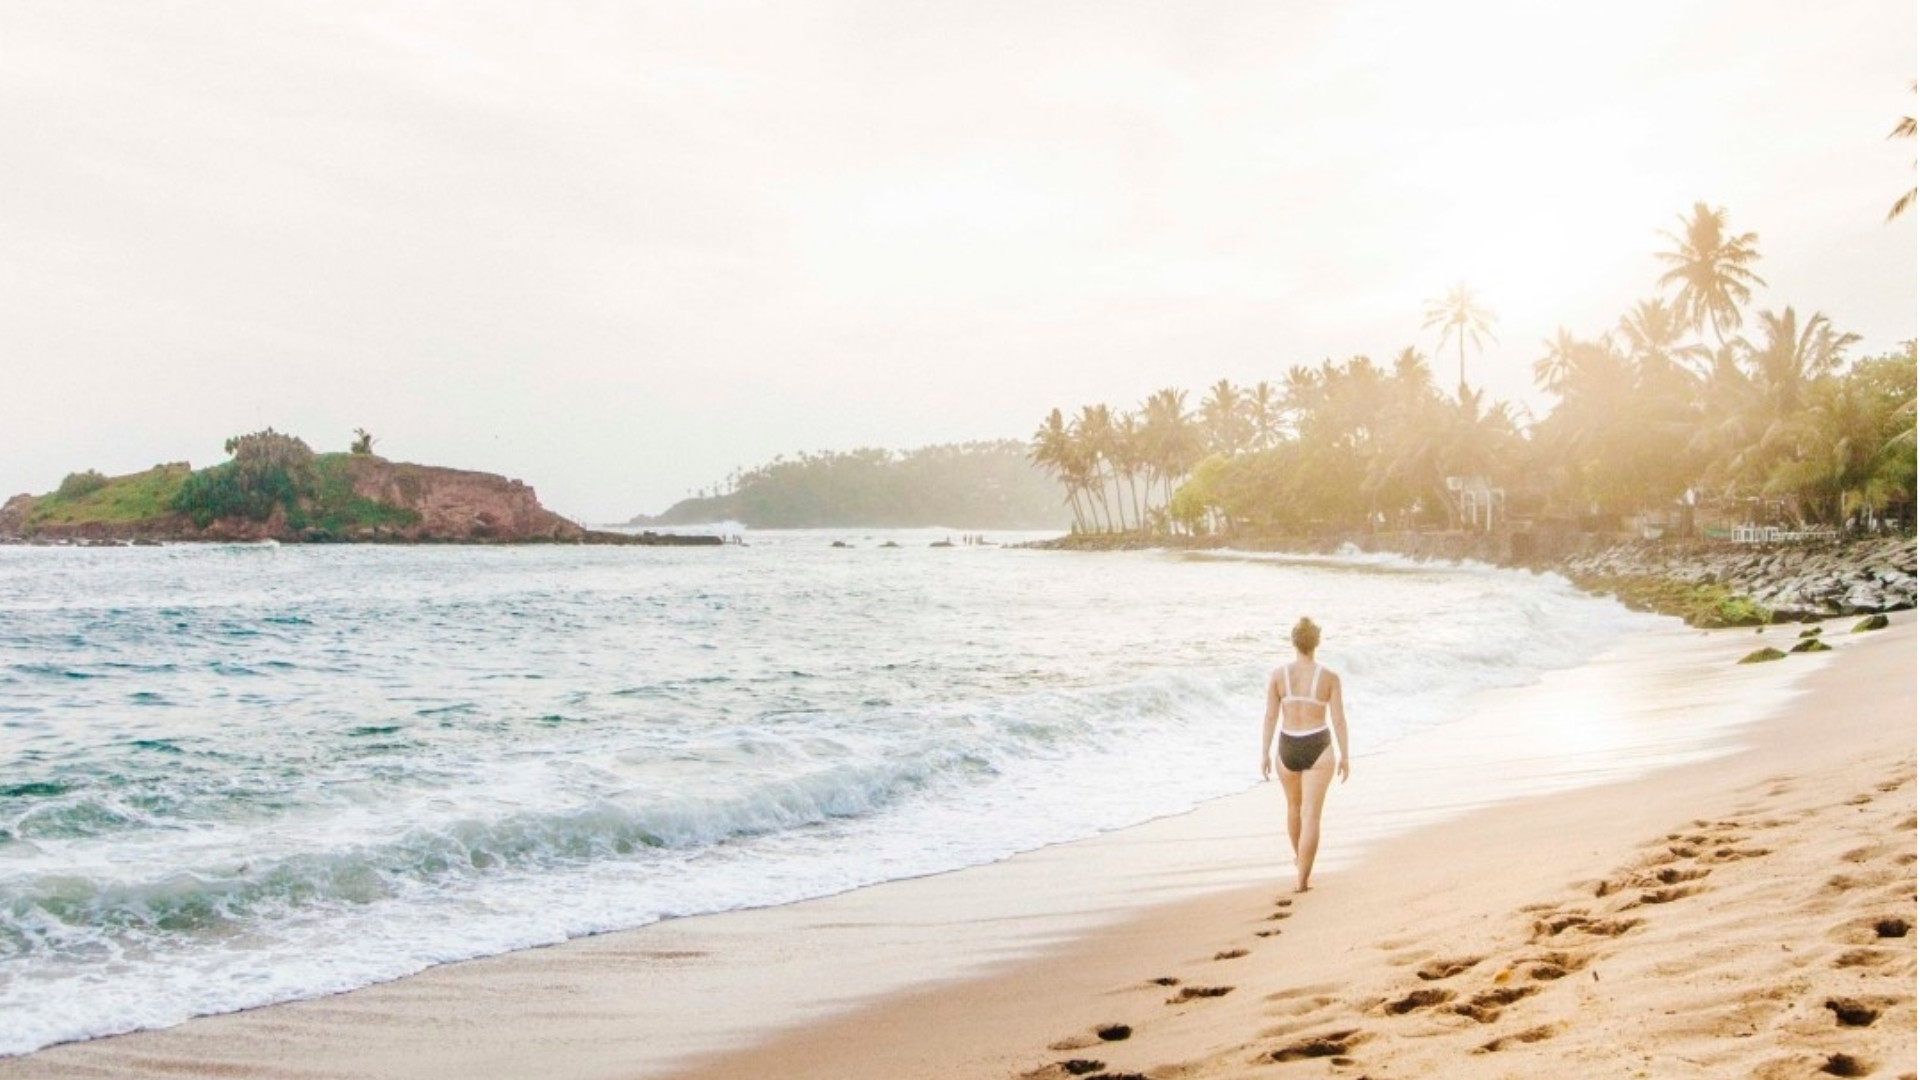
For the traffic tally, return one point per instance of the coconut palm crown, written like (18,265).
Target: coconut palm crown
(1460,318)
(1710,270)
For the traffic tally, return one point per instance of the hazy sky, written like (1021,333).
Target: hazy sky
(617,249)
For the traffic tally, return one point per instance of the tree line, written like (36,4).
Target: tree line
(1689,398)
(962,485)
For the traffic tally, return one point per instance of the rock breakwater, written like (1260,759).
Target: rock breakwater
(1788,582)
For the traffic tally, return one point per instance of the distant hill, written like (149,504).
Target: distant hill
(977,485)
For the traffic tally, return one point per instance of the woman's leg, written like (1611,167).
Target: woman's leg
(1290,783)
(1313,795)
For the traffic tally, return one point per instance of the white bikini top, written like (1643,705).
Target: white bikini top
(1288,697)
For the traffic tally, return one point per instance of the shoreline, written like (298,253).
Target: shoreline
(1257,977)
(1708,584)
(600,1005)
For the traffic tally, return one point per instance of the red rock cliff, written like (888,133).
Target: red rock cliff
(457,504)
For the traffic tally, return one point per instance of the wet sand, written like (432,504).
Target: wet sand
(1719,898)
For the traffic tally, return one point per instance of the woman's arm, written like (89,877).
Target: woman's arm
(1266,729)
(1337,711)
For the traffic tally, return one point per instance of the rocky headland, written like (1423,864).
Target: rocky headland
(351,498)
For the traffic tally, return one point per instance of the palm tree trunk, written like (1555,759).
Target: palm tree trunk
(1073,500)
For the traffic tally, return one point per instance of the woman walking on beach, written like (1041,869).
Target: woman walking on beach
(1305,705)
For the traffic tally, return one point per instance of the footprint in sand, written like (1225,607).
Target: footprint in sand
(1329,1044)
(1847,1065)
(1100,1034)
(1530,1035)
(1447,969)
(1230,954)
(1862,958)
(1659,896)
(1674,876)
(1731,854)
(1868,880)
(1851,1012)
(1486,1007)
(1573,920)
(1668,875)
(1306,999)
(1419,999)
(1870,929)
(1195,993)
(1552,965)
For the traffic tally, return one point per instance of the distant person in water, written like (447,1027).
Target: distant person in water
(1305,708)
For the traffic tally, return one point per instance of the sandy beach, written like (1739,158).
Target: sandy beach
(1719,883)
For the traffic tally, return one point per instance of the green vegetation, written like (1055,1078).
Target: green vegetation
(270,473)
(336,509)
(81,484)
(117,500)
(1708,606)
(980,485)
(1671,414)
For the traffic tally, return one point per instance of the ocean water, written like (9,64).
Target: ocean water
(238,774)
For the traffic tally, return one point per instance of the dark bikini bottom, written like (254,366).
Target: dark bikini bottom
(1299,752)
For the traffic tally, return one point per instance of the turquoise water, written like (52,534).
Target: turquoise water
(238,774)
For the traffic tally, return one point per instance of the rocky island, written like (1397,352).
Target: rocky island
(276,488)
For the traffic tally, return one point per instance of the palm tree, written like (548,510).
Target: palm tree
(1753,396)
(1403,473)
(1793,357)
(1052,449)
(1902,130)
(1710,270)
(1460,316)
(1833,460)
(1263,405)
(1092,437)
(1172,446)
(1726,439)
(1651,333)
(1554,370)
(1225,419)
(1127,450)
(1471,442)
